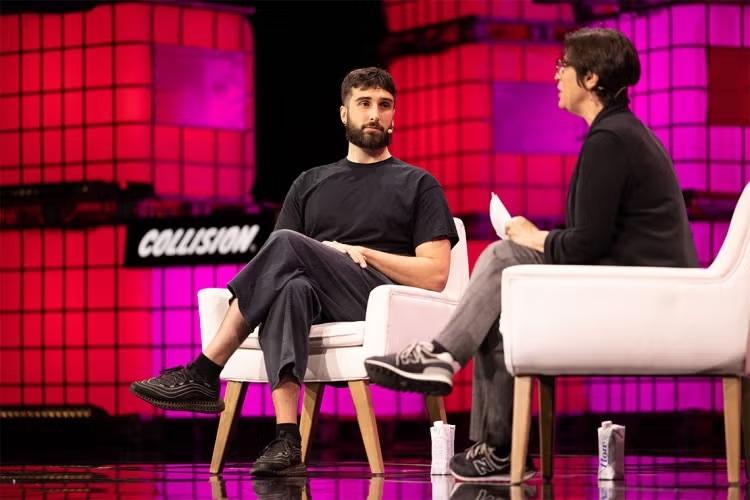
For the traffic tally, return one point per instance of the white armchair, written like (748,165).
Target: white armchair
(396,316)
(602,320)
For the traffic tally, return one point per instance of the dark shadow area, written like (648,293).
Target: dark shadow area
(105,439)
(303,51)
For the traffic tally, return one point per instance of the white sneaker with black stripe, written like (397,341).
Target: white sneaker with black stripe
(416,368)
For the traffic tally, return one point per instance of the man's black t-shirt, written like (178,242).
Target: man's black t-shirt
(389,206)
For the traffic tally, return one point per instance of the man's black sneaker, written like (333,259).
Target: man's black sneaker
(490,491)
(180,389)
(416,369)
(281,488)
(480,463)
(281,457)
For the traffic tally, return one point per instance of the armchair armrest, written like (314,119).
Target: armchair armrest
(213,304)
(621,320)
(398,315)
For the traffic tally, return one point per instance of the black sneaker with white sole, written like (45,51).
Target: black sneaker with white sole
(480,462)
(180,388)
(281,457)
(416,368)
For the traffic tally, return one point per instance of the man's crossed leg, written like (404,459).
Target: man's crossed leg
(291,284)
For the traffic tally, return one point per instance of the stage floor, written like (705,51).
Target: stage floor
(660,478)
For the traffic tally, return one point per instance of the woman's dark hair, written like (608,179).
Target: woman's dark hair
(608,54)
(367,78)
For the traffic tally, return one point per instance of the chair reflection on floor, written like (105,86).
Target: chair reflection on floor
(288,488)
(218,487)
(504,491)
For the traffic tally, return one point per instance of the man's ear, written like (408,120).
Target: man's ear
(343,113)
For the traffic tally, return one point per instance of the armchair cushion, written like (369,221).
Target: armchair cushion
(324,336)
(396,315)
(621,321)
(565,320)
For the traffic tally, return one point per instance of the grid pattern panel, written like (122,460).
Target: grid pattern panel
(684,93)
(446,126)
(78,93)
(448,123)
(409,14)
(78,89)
(686,51)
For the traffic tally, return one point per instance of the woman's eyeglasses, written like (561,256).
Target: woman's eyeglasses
(560,64)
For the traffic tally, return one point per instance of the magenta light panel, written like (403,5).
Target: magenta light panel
(83,99)
(458,119)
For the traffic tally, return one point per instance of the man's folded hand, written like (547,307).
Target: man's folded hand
(357,253)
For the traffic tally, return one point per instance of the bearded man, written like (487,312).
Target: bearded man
(345,228)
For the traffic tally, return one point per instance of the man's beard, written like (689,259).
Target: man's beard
(368,140)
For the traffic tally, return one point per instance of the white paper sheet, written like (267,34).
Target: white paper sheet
(499,216)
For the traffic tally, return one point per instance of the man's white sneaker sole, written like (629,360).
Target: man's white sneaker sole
(387,375)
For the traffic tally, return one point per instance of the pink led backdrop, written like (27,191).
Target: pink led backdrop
(164,95)
(482,116)
(458,119)
(132,93)
(102,95)
(695,95)
(409,14)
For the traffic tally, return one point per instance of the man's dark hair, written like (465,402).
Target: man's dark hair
(367,78)
(608,54)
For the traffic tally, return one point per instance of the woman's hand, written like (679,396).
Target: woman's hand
(522,231)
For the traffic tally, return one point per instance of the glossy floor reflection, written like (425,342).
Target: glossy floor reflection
(575,478)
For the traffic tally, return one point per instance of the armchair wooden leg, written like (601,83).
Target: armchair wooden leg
(521,425)
(547,424)
(745,416)
(309,419)
(436,409)
(732,411)
(234,396)
(368,427)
